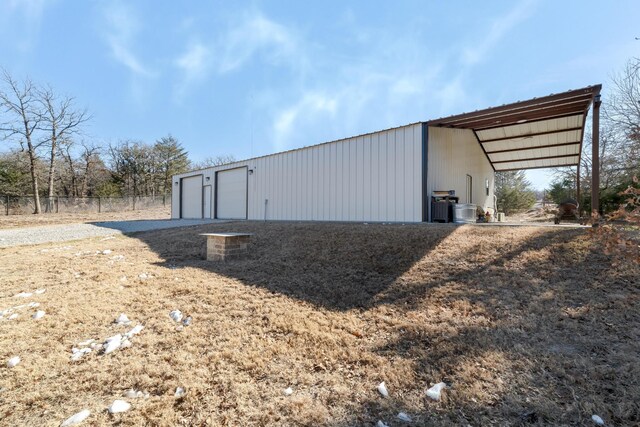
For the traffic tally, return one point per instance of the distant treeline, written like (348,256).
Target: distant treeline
(44,152)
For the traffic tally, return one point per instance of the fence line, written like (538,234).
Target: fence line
(22,205)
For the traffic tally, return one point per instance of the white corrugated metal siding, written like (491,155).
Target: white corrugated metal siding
(452,155)
(374,177)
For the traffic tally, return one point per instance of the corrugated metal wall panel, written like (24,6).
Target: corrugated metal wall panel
(375,177)
(454,153)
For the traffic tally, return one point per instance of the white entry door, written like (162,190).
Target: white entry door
(191,197)
(231,194)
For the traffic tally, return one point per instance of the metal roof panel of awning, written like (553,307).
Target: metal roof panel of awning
(541,132)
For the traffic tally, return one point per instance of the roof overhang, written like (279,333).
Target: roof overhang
(541,132)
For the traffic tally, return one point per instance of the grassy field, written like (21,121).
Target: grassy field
(528,326)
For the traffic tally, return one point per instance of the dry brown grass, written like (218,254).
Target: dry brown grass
(15,221)
(530,326)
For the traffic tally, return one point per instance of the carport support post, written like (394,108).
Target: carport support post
(578,189)
(595,158)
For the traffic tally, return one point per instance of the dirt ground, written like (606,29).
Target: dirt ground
(15,221)
(528,326)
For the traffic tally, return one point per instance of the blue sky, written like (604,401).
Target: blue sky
(252,78)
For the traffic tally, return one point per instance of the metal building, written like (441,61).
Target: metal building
(390,175)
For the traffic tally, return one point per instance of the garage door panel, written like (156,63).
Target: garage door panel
(191,202)
(231,194)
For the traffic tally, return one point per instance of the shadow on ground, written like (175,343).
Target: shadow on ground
(338,267)
(534,330)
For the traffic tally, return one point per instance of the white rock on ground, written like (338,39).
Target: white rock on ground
(38,314)
(435,392)
(76,418)
(112,343)
(123,319)
(13,361)
(288,391)
(404,417)
(180,392)
(143,276)
(596,419)
(380,423)
(23,295)
(79,353)
(119,406)
(176,315)
(135,331)
(382,388)
(134,394)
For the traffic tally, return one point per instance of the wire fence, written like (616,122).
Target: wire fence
(24,205)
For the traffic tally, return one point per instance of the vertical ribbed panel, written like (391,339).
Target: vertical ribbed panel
(454,154)
(374,177)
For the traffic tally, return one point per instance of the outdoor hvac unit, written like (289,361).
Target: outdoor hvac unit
(464,213)
(442,203)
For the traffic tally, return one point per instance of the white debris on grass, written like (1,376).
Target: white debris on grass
(135,394)
(187,321)
(176,315)
(106,252)
(404,417)
(288,391)
(13,316)
(596,419)
(13,361)
(38,314)
(79,353)
(86,343)
(23,295)
(382,389)
(76,418)
(40,291)
(123,278)
(112,343)
(117,257)
(180,392)
(135,331)
(144,276)
(34,304)
(435,392)
(122,319)
(381,424)
(119,406)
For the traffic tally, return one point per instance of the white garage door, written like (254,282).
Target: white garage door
(191,203)
(231,194)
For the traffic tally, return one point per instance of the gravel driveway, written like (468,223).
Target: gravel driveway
(65,232)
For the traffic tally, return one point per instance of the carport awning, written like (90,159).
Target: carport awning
(539,133)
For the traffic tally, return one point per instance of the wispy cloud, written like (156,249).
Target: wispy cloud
(122,27)
(194,61)
(500,27)
(256,34)
(29,12)
(253,35)
(311,106)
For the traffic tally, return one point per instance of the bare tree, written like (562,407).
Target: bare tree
(213,161)
(19,103)
(60,120)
